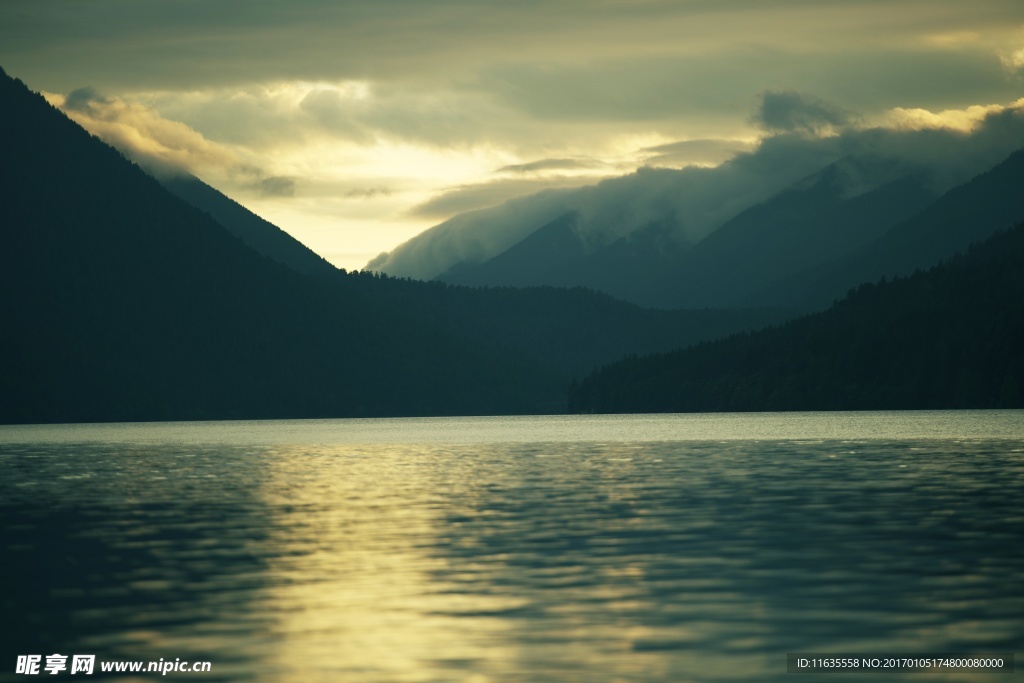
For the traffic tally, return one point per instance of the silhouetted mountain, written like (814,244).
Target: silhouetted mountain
(260,235)
(963,215)
(120,301)
(946,338)
(569,332)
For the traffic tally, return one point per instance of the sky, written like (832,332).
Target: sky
(357,125)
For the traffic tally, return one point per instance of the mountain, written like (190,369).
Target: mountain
(567,332)
(558,254)
(542,258)
(965,214)
(945,338)
(693,201)
(820,218)
(122,302)
(816,221)
(259,235)
(750,231)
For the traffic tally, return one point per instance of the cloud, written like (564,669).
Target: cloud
(83,99)
(552,165)
(694,152)
(794,112)
(1013,60)
(480,195)
(697,200)
(165,147)
(455,240)
(158,144)
(963,120)
(369,192)
(276,186)
(361,93)
(574,60)
(711,92)
(175,44)
(276,115)
(694,199)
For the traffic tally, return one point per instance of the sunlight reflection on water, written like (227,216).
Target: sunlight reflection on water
(312,552)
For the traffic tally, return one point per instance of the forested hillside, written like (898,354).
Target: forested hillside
(946,338)
(569,332)
(966,214)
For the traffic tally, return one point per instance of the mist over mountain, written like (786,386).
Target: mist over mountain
(966,214)
(818,186)
(693,200)
(559,255)
(812,222)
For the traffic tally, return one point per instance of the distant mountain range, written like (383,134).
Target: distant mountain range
(120,301)
(558,255)
(802,248)
(962,216)
(807,225)
(946,338)
(793,224)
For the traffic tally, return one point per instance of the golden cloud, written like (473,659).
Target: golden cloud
(142,134)
(962,120)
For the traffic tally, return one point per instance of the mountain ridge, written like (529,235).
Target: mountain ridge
(807,224)
(122,302)
(260,235)
(944,338)
(812,222)
(967,213)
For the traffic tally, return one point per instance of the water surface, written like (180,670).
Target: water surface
(589,549)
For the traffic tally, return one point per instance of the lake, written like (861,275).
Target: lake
(583,549)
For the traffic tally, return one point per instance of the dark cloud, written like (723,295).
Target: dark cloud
(700,91)
(551,165)
(276,186)
(81,99)
(794,112)
(626,88)
(686,152)
(643,58)
(369,193)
